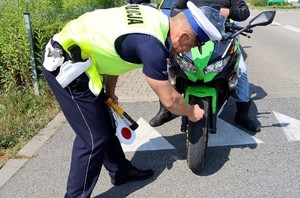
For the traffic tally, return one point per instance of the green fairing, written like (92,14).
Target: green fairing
(236,46)
(201,61)
(202,91)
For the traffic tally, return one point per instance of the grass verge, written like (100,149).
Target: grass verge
(22,116)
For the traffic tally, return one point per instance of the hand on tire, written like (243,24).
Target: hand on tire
(197,113)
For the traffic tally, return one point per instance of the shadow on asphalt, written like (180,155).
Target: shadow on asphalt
(162,160)
(215,157)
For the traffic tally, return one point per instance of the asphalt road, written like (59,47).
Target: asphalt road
(266,169)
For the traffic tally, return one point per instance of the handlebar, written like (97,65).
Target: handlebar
(233,30)
(236,27)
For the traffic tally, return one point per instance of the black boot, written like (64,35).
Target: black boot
(242,118)
(161,117)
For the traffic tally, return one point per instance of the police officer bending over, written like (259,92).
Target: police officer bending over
(90,47)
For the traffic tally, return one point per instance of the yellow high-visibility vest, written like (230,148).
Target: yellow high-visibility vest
(96,33)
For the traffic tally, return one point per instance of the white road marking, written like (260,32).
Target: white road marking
(290,126)
(147,138)
(229,135)
(287,27)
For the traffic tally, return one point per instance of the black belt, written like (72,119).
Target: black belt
(58,46)
(74,50)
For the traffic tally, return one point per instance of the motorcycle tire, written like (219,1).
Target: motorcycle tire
(197,136)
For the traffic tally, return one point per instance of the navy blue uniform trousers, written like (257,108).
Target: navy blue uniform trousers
(95,142)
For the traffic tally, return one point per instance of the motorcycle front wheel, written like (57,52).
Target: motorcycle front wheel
(197,136)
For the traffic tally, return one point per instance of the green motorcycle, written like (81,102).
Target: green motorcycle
(208,77)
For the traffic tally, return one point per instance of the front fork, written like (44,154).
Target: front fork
(202,91)
(213,124)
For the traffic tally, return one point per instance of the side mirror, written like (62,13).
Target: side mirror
(262,19)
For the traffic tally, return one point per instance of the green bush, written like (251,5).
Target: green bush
(14,62)
(22,113)
(263,4)
(47,17)
(258,3)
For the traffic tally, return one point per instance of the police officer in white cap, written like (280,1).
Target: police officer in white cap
(107,43)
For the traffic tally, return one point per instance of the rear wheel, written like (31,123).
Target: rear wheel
(197,135)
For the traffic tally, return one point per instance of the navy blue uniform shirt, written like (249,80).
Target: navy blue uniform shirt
(147,50)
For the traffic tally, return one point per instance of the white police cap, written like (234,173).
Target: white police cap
(201,26)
